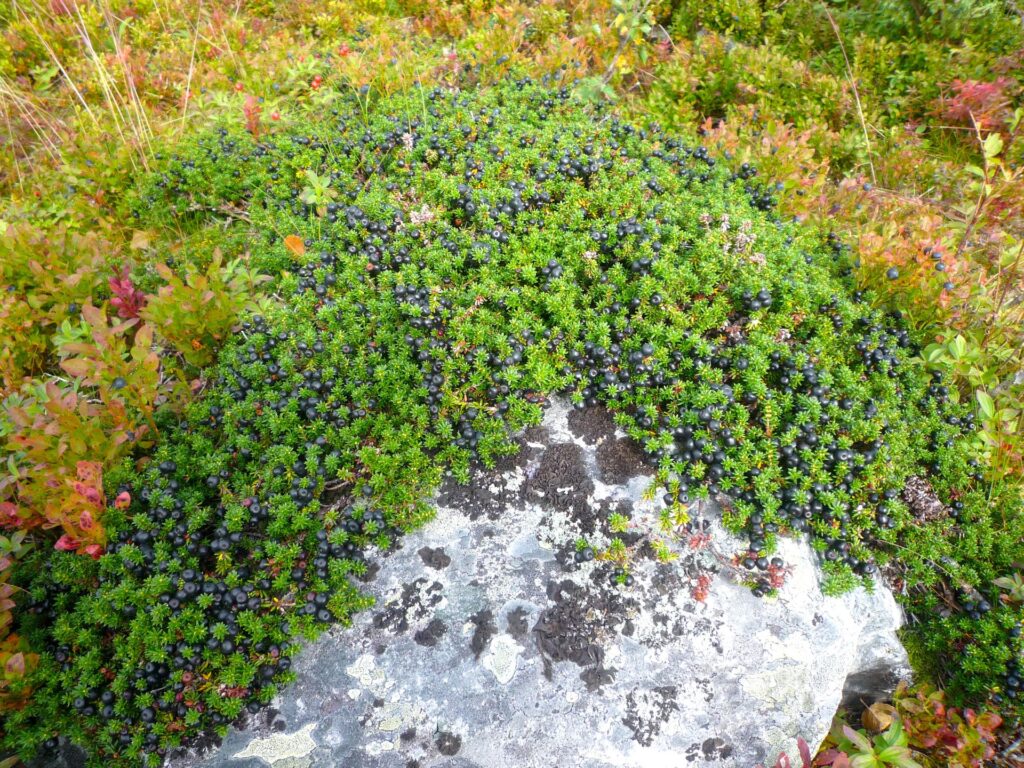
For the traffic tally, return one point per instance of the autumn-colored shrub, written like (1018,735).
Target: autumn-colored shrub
(46,276)
(195,313)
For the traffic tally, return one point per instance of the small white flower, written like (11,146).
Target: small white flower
(422,216)
(744,240)
(408,142)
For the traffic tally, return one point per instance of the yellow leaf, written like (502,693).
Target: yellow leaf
(144,336)
(141,239)
(878,717)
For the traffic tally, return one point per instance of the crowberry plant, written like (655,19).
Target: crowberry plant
(444,261)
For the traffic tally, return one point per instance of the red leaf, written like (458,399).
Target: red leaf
(252,110)
(128,299)
(85,521)
(805,752)
(9,514)
(67,544)
(123,500)
(94,551)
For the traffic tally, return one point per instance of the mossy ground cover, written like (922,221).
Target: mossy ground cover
(443,259)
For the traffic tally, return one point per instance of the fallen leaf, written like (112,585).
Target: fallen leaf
(295,244)
(878,717)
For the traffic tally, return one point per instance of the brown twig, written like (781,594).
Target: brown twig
(982,196)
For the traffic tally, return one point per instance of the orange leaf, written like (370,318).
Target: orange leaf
(295,244)
(93,316)
(77,367)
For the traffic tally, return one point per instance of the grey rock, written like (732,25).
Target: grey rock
(491,646)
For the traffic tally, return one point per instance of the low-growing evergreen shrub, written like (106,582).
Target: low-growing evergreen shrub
(443,260)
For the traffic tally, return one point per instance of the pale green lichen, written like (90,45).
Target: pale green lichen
(283,750)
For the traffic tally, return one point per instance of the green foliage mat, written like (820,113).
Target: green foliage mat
(443,260)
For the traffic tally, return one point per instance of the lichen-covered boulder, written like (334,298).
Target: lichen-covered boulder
(492,644)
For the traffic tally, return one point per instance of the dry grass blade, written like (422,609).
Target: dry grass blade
(856,93)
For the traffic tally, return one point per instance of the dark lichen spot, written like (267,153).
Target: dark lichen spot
(485,630)
(431,634)
(518,626)
(561,479)
(435,558)
(448,743)
(597,676)
(647,711)
(715,749)
(592,424)
(570,629)
(619,460)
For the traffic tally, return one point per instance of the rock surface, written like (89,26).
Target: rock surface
(490,646)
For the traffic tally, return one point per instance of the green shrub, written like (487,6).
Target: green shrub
(463,254)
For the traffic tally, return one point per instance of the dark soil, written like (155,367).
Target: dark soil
(924,503)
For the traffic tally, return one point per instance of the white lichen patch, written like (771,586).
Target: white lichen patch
(556,420)
(378,747)
(365,670)
(785,688)
(502,658)
(556,529)
(391,717)
(279,747)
